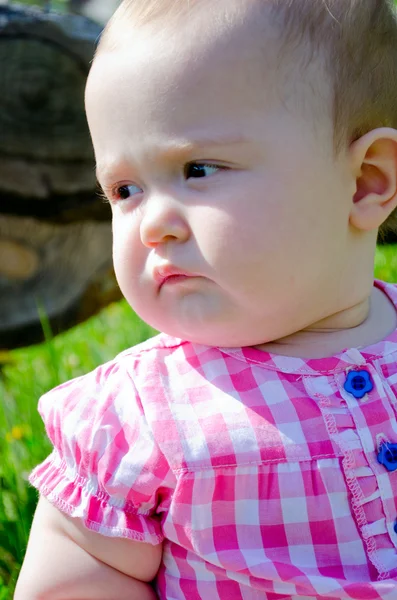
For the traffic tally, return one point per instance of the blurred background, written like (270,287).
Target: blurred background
(61,312)
(55,241)
(49,208)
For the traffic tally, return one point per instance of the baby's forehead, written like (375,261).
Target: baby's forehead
(202,22)
(229,34)
(236,28)
(247,29)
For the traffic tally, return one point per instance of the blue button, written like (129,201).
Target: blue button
(387,456)
(358,383)
(395,526)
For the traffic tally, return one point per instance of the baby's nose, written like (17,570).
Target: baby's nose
(163,221)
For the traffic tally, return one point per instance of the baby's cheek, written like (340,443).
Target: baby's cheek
(222,234)
(128,257)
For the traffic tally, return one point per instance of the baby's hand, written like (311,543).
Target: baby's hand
(66,561)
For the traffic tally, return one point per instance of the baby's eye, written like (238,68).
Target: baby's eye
(123,192)
(198,170)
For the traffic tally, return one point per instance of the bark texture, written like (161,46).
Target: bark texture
(55,233)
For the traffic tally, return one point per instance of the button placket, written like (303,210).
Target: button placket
(368,402)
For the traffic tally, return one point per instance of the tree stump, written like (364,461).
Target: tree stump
(55,234)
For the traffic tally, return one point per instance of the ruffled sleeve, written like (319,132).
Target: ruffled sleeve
(106,467)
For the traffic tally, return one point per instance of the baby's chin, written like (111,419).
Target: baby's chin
(207,319)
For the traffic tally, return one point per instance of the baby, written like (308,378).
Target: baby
(248,149)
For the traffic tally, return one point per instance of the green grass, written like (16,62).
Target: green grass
(57,5)
(28,373)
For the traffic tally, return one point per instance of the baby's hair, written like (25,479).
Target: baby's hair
(357,38)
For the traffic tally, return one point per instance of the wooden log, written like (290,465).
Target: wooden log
(45,148)
(55,234)
(62,270)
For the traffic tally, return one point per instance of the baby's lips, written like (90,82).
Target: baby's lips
(164,272)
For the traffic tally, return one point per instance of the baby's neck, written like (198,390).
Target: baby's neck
(357,327)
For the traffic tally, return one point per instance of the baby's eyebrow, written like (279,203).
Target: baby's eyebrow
(205,142)
(171,151)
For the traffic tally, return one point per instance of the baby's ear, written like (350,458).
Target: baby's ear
(374,165)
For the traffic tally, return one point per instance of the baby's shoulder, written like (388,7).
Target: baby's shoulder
(114,384)
(170,359)
(153,349)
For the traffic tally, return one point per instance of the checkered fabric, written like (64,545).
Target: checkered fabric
(258,472)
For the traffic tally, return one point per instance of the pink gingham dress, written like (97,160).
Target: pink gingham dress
(259,473)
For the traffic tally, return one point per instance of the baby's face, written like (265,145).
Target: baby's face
(215,173)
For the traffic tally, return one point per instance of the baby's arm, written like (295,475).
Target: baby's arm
(66,561)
